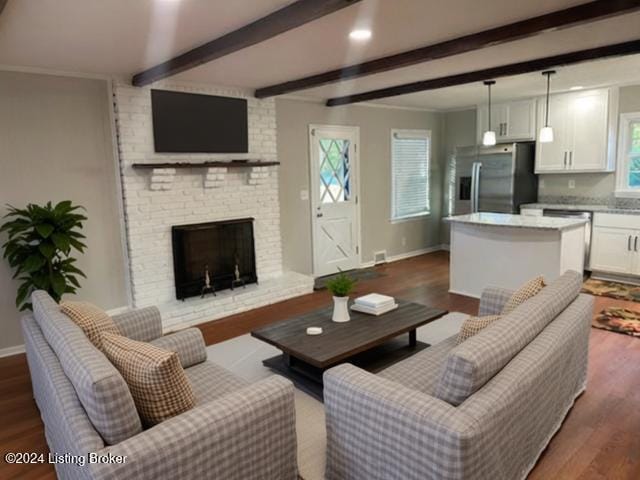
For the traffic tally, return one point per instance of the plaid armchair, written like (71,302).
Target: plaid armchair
(236,431)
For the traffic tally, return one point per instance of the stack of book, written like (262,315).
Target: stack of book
(374,304)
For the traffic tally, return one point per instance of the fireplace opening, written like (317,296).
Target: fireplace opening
(214,256)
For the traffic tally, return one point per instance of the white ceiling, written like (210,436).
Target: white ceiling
(122,37)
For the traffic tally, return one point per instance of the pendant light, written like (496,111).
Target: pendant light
(546,132)
(489,137)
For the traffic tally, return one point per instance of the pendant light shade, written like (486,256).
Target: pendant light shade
(546,135)
(489,137)
(546,132)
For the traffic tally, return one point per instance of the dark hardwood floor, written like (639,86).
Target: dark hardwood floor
(600,439)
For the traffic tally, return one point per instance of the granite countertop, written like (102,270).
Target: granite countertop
(585,207)
(517,221)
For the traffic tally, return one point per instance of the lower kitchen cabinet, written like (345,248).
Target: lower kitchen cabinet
(615,244)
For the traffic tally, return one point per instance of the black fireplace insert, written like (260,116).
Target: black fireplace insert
(214,256)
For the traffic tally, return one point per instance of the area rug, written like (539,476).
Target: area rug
(620,291)
(243,356)
(620,320)
(358,275)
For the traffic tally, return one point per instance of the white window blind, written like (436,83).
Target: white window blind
(410,157)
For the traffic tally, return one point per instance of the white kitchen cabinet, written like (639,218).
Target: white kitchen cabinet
(583,124)
(615,244)
(612,250)
(552,157)
(512,121)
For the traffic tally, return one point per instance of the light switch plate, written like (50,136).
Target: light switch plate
(572,183)
(304,194)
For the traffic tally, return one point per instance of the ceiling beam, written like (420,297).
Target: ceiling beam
(280,21)
(529,66)
(587,12)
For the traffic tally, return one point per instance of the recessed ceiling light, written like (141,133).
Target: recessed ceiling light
(360,34)
(577,87)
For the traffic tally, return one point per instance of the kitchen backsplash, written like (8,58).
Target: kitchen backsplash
(608,200)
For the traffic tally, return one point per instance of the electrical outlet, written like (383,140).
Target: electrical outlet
(404,241)
(572,183)
(541,183)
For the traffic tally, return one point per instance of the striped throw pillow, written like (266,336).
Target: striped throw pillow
(473,325)
(158,384)
(91,319)
(524,293)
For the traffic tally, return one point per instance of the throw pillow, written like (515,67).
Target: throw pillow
(524,293)
(158,384)
(473,325)
(91,319)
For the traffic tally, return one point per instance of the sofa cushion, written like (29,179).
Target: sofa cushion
(101,389)
(210,381)
(474,325)
(91,319)
(421,371)
(472,363)
(522,294)
(155,377)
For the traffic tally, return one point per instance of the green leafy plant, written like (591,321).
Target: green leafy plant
(41,239)
(341,285)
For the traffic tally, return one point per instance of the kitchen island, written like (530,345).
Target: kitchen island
(503,250)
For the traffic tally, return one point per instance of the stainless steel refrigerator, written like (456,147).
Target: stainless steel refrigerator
(495,179)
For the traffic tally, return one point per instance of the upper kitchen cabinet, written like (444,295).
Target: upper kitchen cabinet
(512,121)
(584,132)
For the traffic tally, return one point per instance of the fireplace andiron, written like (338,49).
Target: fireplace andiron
(207,287)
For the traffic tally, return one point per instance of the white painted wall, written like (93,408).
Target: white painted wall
(56,144)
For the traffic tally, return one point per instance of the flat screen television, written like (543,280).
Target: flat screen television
(192,123)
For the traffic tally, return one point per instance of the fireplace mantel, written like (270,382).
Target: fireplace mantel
(163,174)
(217,163)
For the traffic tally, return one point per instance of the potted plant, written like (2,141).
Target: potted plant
(41,239)
(340,287)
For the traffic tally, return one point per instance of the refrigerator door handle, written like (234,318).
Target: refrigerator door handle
(475,186)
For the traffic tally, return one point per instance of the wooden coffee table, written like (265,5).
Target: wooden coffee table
(367,341)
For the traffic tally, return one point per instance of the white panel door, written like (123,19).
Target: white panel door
(334,198)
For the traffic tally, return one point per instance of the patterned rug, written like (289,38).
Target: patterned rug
(620,320)
(621,291)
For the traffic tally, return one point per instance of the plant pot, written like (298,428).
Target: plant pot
(340,309)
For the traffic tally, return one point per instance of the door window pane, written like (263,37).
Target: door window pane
(335,185)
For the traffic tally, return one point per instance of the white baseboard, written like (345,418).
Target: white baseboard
(464,294)
(403,256)
(15,350)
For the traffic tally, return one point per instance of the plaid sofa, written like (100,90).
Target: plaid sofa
(485,409)
(237,430)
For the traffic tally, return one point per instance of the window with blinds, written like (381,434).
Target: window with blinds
(410,157)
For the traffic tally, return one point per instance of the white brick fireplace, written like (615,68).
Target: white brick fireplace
(157,199)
